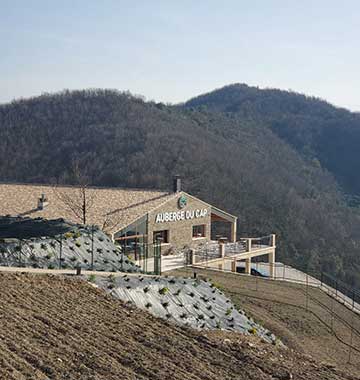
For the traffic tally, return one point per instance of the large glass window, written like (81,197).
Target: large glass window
(199,231)
(132,238)
(162,235)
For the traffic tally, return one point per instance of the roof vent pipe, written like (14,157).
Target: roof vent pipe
(42,202)
(177,184)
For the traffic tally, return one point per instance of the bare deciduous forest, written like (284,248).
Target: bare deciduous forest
(261,156)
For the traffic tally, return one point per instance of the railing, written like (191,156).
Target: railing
(261,242)
(311,294)
(211,251)
(234,248)
(330,285)
(343,292)
(207,252)
(249,244)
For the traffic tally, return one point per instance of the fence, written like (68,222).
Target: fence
(205,252)
(342,291)
(329,284)
(85,247)
(234,248)
(210,251)
(149,258)
(264,241)
(336,310)
(334,287)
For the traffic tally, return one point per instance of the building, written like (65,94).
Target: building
(135,218)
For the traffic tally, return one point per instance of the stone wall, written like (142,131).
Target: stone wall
(181,222)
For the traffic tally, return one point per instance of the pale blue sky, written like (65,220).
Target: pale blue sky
(171,50)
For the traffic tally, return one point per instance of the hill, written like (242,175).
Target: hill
(304,323)
(238,164)
(328,135)
(78,332)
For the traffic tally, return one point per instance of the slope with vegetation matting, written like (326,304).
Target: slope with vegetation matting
(42,243)
(184,301)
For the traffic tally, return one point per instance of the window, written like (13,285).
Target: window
(199,231)
(163,236)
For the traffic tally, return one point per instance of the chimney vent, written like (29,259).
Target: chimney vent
(42,202)
(177,184)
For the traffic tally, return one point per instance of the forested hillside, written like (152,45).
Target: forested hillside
(327,135)
(236,163)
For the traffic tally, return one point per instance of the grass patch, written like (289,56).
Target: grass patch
(163,290)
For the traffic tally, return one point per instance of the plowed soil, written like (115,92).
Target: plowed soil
(56,327)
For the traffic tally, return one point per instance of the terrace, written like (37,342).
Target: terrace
(215,254)
(225,256)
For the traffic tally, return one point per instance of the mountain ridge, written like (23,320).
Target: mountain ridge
(312,126)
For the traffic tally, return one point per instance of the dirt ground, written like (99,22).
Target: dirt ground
(57,327)
(282,308)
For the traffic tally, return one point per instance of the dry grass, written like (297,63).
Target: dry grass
(281,307)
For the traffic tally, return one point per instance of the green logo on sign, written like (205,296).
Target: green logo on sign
(182,201)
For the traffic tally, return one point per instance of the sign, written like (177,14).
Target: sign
(182,201)
(177,216)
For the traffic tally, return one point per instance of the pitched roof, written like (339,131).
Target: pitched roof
(109,208)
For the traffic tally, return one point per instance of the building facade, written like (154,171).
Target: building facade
(131,217)
(181,222)
(140,220)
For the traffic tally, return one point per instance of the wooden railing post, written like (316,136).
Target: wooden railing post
(233,265)
(233,231)
(222,249)
(273,240)
(192,257)
(272,263)
(248,244)
(248,266)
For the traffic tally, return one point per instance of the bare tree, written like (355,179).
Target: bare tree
(80,200)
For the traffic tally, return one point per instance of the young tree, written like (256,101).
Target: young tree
(81,199)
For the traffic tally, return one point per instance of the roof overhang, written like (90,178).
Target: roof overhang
(215,212)
(222,216)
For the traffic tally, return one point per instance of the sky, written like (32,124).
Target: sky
(172,50)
